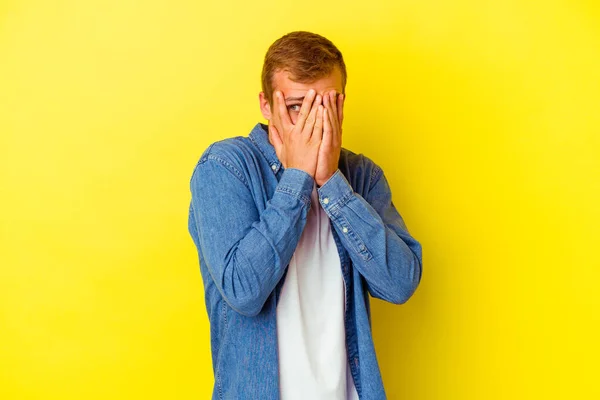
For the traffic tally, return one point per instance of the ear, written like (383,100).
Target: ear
(265,107)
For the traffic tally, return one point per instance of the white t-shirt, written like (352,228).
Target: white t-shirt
(310,318)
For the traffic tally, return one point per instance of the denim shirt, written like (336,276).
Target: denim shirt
(246,216)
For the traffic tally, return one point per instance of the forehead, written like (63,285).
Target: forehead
(282,81)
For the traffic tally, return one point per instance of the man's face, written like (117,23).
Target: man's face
(294,92)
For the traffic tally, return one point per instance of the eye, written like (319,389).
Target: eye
(291,107)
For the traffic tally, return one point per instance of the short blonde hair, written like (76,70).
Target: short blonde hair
(305,55)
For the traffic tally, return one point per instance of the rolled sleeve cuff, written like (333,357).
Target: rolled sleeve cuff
(335,192)
(298,183)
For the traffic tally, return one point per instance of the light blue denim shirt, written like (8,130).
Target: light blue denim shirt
(246,216)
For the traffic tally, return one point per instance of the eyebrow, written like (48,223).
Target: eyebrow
(294,98)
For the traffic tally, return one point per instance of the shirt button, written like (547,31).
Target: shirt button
(345,230)
(274,167)
(326,200)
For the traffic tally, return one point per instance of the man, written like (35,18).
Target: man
(294,232)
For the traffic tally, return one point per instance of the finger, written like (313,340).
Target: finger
(327,102)
(277,118)
(282,113)
(327,129)
(317,133)
(305,109)
(333,100)
(340,108)
(312,117)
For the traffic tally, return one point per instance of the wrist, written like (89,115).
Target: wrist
(321,182)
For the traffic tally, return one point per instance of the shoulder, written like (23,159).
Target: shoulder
(232,153)
(232,149)
(359,168)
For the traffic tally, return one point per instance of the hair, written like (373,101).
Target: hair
(305,55)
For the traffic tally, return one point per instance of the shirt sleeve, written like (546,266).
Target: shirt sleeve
(375,236)
(247,251)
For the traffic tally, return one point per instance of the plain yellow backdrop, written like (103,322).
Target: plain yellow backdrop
(485,116)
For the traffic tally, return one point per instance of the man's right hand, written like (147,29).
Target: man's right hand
(297,145)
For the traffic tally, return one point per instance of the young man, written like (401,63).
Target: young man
(294,232)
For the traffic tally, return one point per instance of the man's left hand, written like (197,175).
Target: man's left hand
(331,145)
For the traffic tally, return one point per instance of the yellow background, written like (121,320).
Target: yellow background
(485,116)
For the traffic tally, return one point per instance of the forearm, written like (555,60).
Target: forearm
(381,248)
(248,253)
(256,263)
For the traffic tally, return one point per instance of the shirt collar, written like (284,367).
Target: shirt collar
(260,137)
